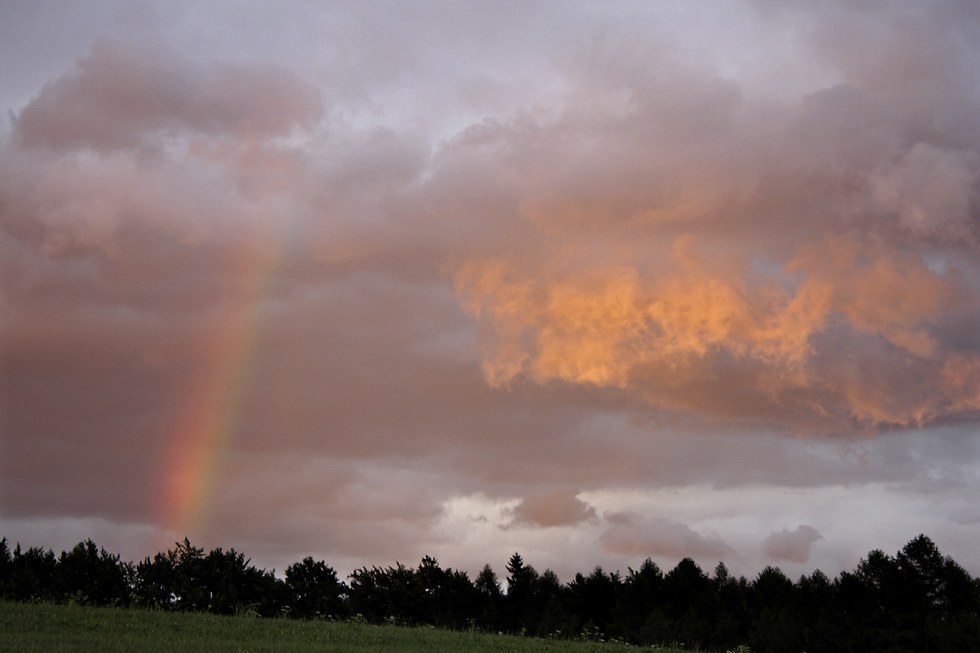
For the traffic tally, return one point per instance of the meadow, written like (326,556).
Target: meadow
(85,629)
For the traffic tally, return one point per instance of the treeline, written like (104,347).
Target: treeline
(918,600)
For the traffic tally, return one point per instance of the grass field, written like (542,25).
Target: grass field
(49,627)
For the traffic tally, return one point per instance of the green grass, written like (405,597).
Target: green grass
(49,627)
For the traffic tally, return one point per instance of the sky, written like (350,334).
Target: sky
(589,281)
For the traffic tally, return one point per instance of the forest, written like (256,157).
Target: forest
(917,600)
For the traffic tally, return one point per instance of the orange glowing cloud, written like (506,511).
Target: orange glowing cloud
(670,336)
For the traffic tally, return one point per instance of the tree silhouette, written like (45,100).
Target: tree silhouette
(594,597)
(775,627)
(639,608)
(520,592)
(489,600)
(88,574)
(394,593)
(231,585)
(222,582)
(32,575)
(313,590)
(918,600)
(452,597)
(682,586)
(6,567)
(155,583)
(550,614)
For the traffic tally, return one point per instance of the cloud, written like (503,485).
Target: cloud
(626,259)
(657,537)
(701,341)
(121,94)
(724,258)
(560,507)
(137,140)
(933,190)
(791,546)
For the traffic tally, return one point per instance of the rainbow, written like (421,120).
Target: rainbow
(208,409)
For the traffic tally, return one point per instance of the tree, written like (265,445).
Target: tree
(881,576)
(155,583)
(815,598)
(551,616)
(682,586)
(919,600)
(772,589)
(384,594)
(594,596)
(729,608)
(223,582)
(433,580)
(489,599)
(455,605)
(89,574)
(520,591)
(6,567)
(313,590)
(188,587)
(775,627)
(32,575)
(232,585)
(922,568)
(640,608)
(940,601)
(961,593)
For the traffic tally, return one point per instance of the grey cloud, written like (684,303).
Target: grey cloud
(933,191)
(657,537)
(791,546)
(120,93)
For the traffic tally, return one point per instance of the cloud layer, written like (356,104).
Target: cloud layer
(389,283)
(722,254)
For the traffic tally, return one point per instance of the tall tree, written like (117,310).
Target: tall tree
(520,592)
(640,609)
(682,586)
(774,627)
(922,568)
(489,599)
